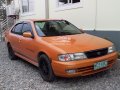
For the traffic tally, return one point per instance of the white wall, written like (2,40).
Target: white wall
(95,14)
(38,13)
(108,15)
(16,2)
(83,17)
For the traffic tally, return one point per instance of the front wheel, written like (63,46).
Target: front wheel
(45,68)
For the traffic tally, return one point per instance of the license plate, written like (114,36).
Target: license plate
(100,65)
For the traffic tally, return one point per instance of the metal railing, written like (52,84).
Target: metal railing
(4,25)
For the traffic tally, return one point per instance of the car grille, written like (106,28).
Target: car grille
(96,53)
(90,69)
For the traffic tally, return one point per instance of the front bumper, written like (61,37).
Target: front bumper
(82,67)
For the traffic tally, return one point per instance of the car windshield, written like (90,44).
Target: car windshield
(56,28)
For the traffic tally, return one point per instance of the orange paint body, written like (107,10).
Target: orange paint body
(29,49)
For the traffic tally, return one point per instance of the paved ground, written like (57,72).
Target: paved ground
(20,75)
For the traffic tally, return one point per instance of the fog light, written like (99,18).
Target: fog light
(71,71)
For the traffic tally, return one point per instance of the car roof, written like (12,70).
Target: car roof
(28,20)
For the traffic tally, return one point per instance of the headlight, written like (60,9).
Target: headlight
(72,57)
(111,49)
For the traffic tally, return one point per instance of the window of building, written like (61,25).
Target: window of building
(27,6)
(68,4)
(65,2)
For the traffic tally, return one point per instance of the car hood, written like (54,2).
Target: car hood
(77,43)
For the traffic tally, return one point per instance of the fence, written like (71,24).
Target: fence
(4,25)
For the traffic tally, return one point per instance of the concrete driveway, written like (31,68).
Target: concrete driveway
(20,75)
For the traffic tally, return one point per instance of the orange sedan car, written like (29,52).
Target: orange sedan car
(59,48)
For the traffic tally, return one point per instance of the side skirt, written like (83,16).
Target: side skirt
(26,59)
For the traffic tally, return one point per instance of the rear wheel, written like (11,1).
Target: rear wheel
(11,53)
(45,68)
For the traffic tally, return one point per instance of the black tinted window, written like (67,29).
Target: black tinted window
(76,1)
(26,27)
(56,28)
(17,29)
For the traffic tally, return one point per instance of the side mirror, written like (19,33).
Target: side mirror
(27,34)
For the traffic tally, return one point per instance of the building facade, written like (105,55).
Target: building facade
(98,17)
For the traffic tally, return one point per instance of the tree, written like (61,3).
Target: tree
(2,9)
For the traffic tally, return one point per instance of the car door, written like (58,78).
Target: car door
(15,34)
(28,45)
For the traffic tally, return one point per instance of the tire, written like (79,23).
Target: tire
(11,53)
(45,69)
